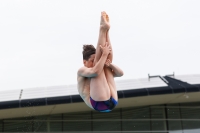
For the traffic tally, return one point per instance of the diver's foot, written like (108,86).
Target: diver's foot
(104,24)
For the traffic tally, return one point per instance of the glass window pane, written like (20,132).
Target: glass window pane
(158,122)
(55,123)
(107,121)
(18,125)
(136,119)
(40,124)
(174,118)
(80,121)
(1,125)
(42,127)
(190,116)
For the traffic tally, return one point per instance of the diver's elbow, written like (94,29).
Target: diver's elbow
(94,74)
(121,74)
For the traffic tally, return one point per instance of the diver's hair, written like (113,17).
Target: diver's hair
(87,51)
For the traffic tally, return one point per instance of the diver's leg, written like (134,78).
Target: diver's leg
(109,73)
(99,88)
(104,27)
(110,56)
(106,74)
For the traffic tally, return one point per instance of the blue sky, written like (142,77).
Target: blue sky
(41,41)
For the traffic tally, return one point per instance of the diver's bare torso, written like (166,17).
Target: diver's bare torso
(84,89)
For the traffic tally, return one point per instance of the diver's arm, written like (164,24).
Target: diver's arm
(117,72)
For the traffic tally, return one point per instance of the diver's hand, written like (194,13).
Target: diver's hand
(105,49)
(107,63)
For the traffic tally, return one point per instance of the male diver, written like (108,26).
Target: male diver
(95,79)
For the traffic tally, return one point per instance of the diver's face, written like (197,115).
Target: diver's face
(89,63)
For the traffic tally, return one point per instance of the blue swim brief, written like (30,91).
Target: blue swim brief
(104,106)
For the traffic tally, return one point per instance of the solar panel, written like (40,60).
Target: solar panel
(67,90)
(140,83)
(191,79)
(9,95)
